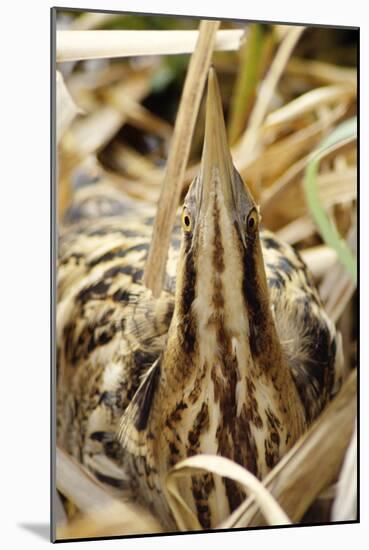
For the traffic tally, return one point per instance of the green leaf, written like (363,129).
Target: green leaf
(327,229)
(254,57)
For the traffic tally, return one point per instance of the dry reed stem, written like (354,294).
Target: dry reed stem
(92,132)
(135,189)
(341,294)
(322,72)
(337,287)
(297,230)
(103,515)
(89,133)
(345,504)
(85,83)
(308,102)
(180,147)
(136,166)
(226,468)
(78,485)
(246,147)
(274,200)
(66,109)
(272,162)
(115,520)
(319,259)
(311,465)
(139,116)
(77,45)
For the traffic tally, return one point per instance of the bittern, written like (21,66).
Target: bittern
(236,358)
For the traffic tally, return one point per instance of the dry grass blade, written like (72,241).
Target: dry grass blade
(135,189)
(306,103)
(297,230)
(83,84)
(245,148)
(319,259)
(90,133)
(77,45)
(334,187)
(276,197)
(66,109)
(92,20)
(136,166)
(226,468)
(310,466)
(178,156)
(137,114)
(103,515)
(279,156)
(78,485)
(117,519)
(322,72)
(345,504)
(337,287)
(337,187)
(339,294)
(94,131)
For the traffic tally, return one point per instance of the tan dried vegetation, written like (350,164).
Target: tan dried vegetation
(284,104)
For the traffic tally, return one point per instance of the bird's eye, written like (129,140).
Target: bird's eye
(186,220)
(252,222)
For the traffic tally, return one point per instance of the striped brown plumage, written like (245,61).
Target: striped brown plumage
(236,357)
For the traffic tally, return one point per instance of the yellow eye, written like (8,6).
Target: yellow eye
(186,220)
(252,222)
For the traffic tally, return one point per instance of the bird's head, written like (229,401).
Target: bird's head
(220,277)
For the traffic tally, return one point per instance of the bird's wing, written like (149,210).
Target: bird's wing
(110,330)
(309,338)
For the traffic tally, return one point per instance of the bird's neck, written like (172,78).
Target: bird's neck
(224,369)
(218,316)
(223,387)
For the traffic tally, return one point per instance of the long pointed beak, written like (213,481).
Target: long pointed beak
(216,162)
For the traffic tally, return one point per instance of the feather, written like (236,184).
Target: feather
(138,411)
